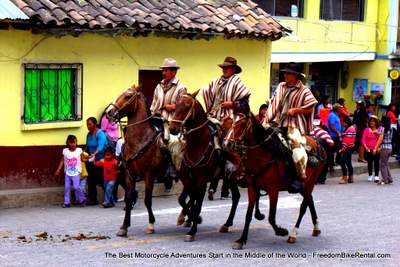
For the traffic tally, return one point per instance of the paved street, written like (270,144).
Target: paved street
(359,220)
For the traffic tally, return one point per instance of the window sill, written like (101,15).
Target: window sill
(51,125)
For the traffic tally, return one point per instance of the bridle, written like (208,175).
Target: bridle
(134,97)
(190,115)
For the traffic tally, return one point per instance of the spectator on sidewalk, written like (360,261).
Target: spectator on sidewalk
(327,143)
(344,113)
(335,131)
(84,173)
(109,128)
(393,125)
(360,120)
(95,145)
(323,111)
(348,140)
(386,150)
(261,112)
(71,161)
(110,168)
(372,138)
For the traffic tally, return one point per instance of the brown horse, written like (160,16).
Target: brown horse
(263,157)
(201,162)
(142,155)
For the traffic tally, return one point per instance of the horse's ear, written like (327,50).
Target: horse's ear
(195,93)
(139,87)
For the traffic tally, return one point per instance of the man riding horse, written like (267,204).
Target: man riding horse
(225,93)
(292,108)
(163,106)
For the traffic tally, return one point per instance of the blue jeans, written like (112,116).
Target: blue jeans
(345,162)
(108,190)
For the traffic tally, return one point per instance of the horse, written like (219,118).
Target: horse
(201,162)
(263,156)
(142,154)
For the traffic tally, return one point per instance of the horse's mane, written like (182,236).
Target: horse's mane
(273,143)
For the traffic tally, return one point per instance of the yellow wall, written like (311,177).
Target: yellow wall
(314,35)
(108,70)
(371,70)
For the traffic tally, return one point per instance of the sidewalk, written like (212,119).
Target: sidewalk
(54,195)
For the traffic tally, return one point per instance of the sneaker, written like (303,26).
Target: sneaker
(381,183)
(107,205)
(376,179)
(66,205)
(370,178)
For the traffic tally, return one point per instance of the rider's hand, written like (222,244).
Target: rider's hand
(292,112)
(170,107)
(227,104)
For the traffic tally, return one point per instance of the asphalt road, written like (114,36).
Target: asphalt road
(360,226)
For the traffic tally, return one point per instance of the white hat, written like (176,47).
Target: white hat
(169,63)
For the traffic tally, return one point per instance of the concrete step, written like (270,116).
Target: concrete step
(55,195)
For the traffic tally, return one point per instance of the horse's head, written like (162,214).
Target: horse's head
(184,113)
(124,105)
(237,134)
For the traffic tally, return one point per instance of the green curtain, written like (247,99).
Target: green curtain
(49,95)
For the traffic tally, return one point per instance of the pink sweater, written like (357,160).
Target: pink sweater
(370,139)
(110,128)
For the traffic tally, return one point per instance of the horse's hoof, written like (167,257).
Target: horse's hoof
(224,229)
(281,232)
(149,231)
(122,233)
(316,232)
(259,216)
(187,224)
(291,240)
(237,245)
(199,220)
(181,219)
(189,238)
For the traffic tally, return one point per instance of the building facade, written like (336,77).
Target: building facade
(346,46)
(67,63)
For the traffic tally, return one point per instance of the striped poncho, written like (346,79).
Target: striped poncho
(221,90)
(286,98)
(166,94)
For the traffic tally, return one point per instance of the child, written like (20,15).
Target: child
(386,150)
(71,161)
(110,169)
(349,138)
(84,173)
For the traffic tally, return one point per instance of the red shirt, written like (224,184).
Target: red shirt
(393,119)
(109,169)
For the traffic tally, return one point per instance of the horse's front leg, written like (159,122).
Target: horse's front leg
(149,184)
(196,219)
(252,196)
(235,201)
(129,198)
(258,215)
(273,202)
(314,217)
(185,208)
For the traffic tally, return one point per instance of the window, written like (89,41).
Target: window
(53,92)
(285,8)
(342,10)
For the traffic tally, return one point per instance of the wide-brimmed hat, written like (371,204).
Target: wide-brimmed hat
(294,68)
(169,63)
(230,61)
(373,117)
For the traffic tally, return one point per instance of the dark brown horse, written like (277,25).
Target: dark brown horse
(142,154)
(201,162)
(263,158)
